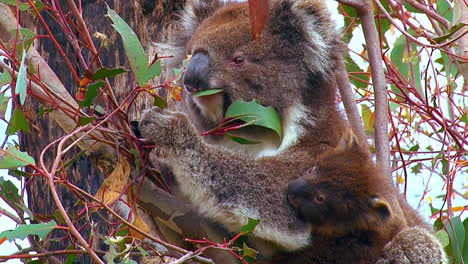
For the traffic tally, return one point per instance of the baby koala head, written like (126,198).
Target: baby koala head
(343,191)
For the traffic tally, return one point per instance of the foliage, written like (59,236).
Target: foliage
(428,120)
(428,106)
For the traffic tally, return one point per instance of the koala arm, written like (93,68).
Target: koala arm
(226,186)
(413,245)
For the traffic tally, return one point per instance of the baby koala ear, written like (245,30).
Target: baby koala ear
(350,142)
(381,208)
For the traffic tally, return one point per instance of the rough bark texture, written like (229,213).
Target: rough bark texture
(147,18)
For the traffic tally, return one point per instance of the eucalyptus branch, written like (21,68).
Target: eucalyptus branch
(344,85)
(365,13)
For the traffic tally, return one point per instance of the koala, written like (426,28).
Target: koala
(350,206)
(289,67)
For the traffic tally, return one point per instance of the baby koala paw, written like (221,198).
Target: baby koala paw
(163,127)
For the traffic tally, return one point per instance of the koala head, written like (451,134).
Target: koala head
(342,192)
(289,65)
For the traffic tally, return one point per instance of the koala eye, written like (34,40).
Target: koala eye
(319,198)
(238,60)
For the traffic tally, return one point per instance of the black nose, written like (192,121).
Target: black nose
(196,73)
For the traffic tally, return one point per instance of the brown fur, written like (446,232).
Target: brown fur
(349,204)
(290,67)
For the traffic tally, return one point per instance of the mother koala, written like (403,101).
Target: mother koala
(290,67)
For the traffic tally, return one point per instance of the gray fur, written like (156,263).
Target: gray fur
(290,67)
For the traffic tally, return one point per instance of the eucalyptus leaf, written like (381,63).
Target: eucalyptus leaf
(21,86)
(22,231)
(11,158)
(17,122)
(84,120)
(253,111)
(241,140)
(6,78)
(250,226)
(456,232)
(91,93)
(208,92)
(132,46)
(103,73)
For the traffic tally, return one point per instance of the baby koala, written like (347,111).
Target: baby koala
(353,209)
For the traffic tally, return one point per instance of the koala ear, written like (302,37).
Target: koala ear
(306,25)
(196,11)
(350,142)
(381,208)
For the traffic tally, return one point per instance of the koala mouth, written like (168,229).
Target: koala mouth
(212,107)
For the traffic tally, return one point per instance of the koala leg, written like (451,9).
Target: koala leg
(413,245)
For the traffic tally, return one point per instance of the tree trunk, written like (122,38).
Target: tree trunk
(148,19)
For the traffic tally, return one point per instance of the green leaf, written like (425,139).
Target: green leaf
(26,37)
(416,168)
(39,5)
(17,122)
(6,78)
(456,232)
(70,257)
(3,104)
(452,31)
(13,158)
(464,118)
(22,231)
(84,120)
(351,66)
(21,7)
(9,192)
(250,226)
(414,148)
(253,111)
(18,174)
(368,118)
(208,92)
(249,252)
(42,111)
(241,140)
(20,87)
(443,237)
(136,158)
(402,60)
(465,246)
(444,9)
(132,46)
(103,73)
(153,71)
(91,93)
(159,102)
(411,8)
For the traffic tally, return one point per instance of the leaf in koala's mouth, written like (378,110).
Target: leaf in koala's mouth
(208,92)
(257,114)
(241,140)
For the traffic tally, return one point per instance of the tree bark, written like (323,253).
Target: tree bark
(148,20)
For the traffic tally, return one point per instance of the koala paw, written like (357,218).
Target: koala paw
(163,127)
(413,245)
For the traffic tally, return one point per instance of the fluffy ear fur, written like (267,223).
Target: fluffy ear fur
(306,23)
(381,208)
(180,32)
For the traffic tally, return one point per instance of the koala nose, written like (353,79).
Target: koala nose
(295,189)
(196,73)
